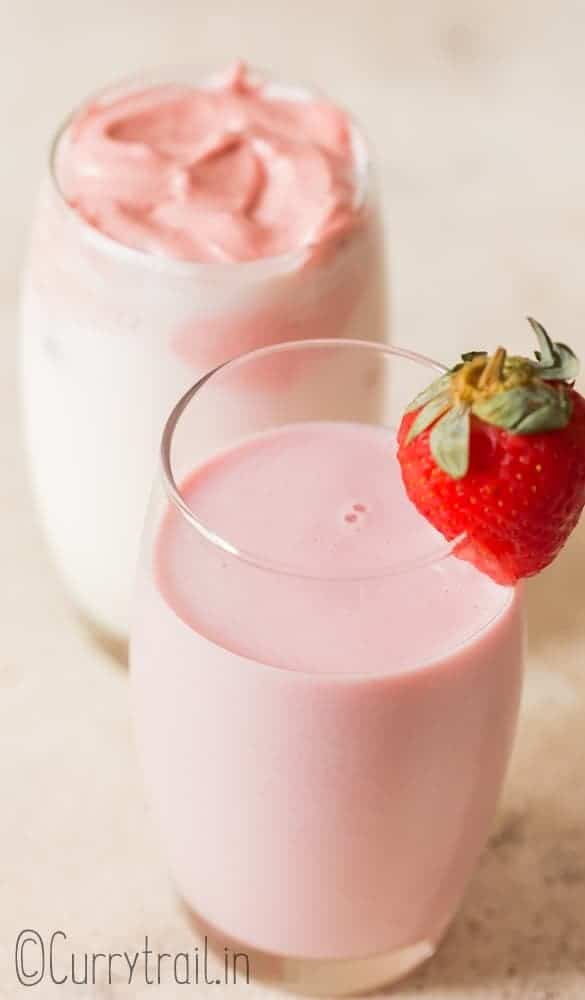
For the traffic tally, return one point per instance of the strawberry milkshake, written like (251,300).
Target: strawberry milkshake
(325,696)
(181,225)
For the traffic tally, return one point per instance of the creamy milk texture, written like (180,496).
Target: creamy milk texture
(323,744)
(117,323)
(319,499)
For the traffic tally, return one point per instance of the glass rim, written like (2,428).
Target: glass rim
(443,549)
(279,263)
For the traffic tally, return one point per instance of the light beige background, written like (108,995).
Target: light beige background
(476,112)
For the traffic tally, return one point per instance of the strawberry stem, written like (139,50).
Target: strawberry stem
(494,369)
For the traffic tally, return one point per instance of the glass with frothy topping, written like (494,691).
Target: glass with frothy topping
(181,223)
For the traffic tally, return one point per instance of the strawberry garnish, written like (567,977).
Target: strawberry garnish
(493,452)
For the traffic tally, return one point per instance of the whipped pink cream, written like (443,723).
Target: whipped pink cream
(230,171)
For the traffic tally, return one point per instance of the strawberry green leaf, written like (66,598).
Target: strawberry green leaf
(428,415)
(567,365)
(556,361)
(546,354)
(468,356)
(449,441)
(436,388)
(529,409)
(472,355)
(552,416)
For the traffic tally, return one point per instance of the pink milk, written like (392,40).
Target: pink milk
(325,718)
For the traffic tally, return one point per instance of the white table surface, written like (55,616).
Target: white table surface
(476,111)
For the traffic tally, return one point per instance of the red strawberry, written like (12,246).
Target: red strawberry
(494,451)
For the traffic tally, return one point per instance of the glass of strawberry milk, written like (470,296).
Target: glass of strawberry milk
(325,695)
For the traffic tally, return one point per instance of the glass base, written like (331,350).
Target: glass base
(308,976)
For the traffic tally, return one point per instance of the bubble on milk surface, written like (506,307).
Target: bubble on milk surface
(355,514)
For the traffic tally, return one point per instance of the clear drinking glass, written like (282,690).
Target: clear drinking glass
(111,338)
(324,727)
